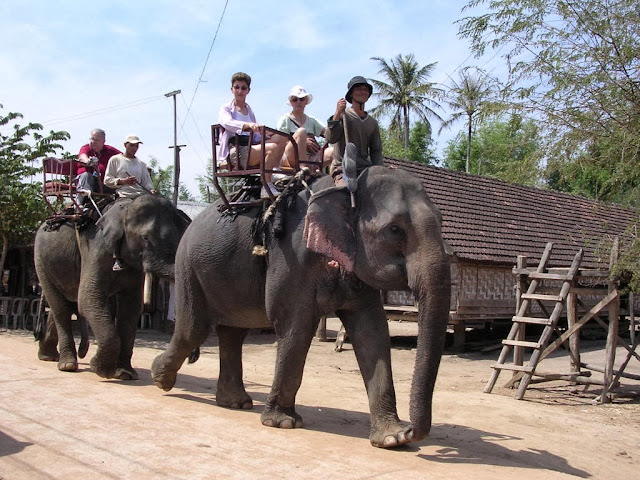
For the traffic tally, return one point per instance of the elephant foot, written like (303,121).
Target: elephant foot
(126,373)
(70,366)
(242,402)
(281,418)
(83,349)
(102,370)
(53,356)
(390,435)
(161,377)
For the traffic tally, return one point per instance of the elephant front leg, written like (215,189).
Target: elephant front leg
(95,308)
(192,329)
(128,311)
(280,410)
(369,334)
(230,392)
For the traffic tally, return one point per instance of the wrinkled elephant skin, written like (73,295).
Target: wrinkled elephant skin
(75,271)
(391,240)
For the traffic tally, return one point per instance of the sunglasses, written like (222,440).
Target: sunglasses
(296,99)
(240,87)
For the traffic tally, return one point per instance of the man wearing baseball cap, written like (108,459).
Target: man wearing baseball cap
(126,173)
(362,130)
(130,177)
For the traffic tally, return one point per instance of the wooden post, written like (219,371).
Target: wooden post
(518,352)
(612,334)
(632,318)
(574,340)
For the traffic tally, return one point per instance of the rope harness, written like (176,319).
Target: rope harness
(274,215)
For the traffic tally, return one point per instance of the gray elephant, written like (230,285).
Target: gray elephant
(391,240)
(74,267)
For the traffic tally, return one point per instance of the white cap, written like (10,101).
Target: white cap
(299,92)
(132,139)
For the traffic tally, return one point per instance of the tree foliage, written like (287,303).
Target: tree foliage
(162,179)
(576,67)
(506,149)
(407,92)
(421,149)
(22,148)
(471,98)
(208,192)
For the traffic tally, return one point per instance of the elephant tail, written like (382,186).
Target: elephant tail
(41,322)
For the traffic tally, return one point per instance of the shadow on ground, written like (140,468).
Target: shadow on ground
(460,444)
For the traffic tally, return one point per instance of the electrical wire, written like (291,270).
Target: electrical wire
(204,67)
(92,113)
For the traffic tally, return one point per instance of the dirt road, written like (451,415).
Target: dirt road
(56,425)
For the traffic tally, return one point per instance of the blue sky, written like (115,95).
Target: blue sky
(76,65)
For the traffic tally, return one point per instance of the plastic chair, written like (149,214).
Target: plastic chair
(17,312)
(146,321)
(31,315)
(5,311)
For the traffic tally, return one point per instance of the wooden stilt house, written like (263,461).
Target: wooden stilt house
(487,223)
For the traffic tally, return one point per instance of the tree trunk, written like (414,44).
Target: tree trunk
(406,132)
(469,146)
(3,257)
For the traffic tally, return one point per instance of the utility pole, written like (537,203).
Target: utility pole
(176,148)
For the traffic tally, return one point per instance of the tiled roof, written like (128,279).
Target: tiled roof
(491,221)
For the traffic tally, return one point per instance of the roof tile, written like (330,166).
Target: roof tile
(489,220)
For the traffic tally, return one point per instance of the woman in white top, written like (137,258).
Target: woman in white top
(304,128)
(237,118)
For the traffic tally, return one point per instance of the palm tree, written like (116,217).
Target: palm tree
(407,92)
(471,97)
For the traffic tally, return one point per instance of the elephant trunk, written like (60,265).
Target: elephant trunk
(431,283)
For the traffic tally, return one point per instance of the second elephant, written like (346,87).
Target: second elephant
(74,267)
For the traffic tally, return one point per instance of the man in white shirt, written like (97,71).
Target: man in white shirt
(130,177)
(126,173)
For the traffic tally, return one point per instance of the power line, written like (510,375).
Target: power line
(204,67)
(92,113)
(204,143)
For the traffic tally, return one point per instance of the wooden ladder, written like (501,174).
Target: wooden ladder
(521,320)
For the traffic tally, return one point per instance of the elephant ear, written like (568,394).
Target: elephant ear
(328,229)
(112,224)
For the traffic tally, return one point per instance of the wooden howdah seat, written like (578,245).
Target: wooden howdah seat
(252,177)
(59,187)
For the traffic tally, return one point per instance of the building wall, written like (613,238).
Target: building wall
(469,281)
(473,281)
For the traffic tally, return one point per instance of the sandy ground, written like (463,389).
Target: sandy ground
(56,425)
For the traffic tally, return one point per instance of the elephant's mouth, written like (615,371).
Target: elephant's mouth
(160,268)
(390,277)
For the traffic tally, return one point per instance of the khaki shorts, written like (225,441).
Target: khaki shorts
(244,155)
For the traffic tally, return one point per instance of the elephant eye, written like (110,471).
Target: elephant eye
(396,231)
